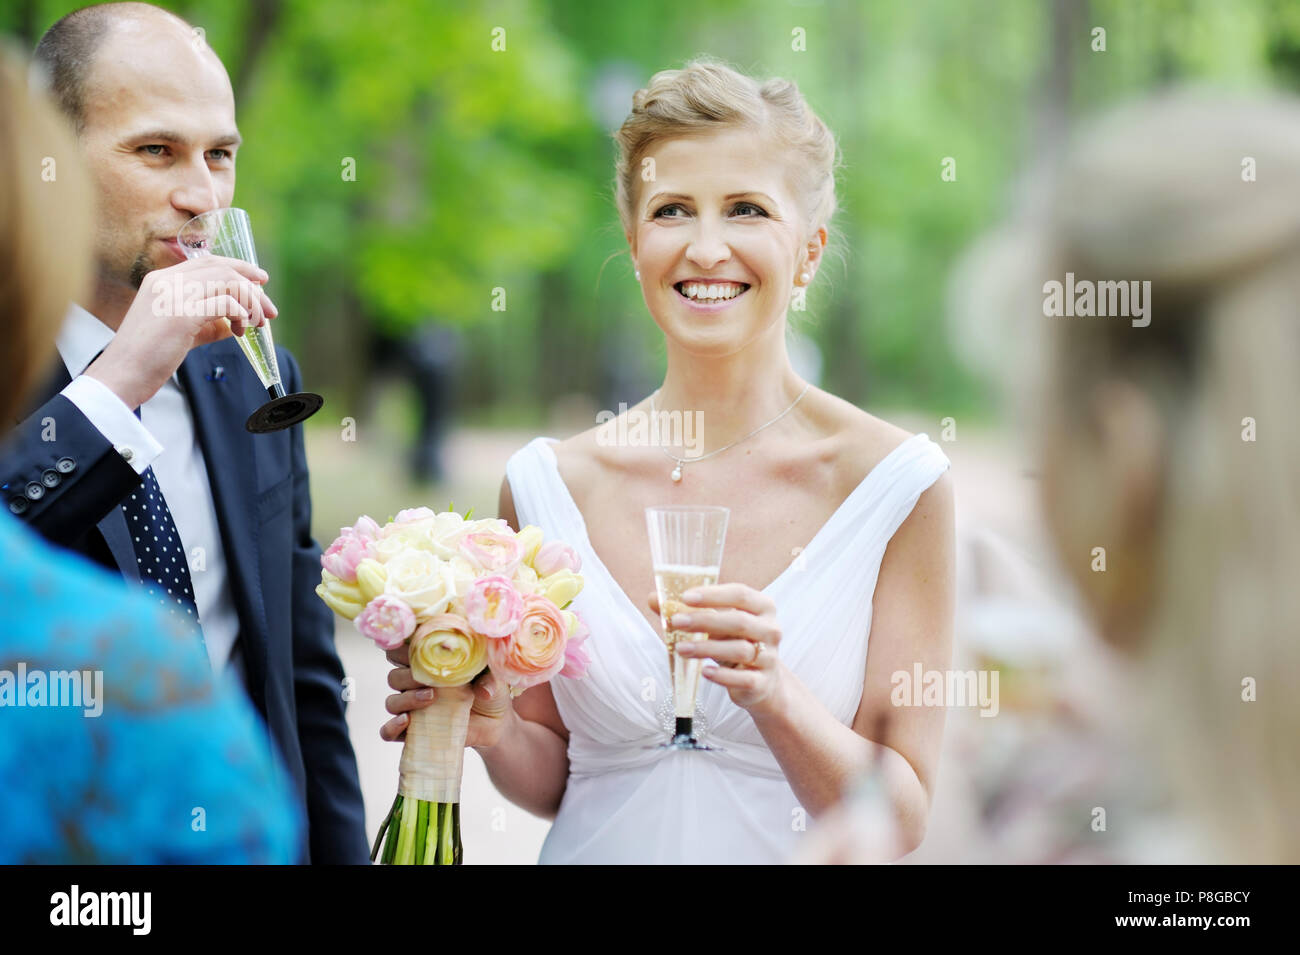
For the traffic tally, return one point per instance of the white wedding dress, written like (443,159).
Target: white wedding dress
(626,803)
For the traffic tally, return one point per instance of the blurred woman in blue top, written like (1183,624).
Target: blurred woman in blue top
(116,745)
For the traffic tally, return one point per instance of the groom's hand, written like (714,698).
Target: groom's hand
(486,717)
(176,309)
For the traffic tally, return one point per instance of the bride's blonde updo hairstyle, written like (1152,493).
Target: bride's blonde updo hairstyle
(709,96)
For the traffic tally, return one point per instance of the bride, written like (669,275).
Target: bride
(840,536)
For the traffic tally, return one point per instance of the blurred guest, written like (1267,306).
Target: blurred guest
(1164,418)
(116,746)
(1169,439)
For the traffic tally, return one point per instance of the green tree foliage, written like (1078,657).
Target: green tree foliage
(401,166)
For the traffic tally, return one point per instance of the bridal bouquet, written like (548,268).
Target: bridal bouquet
(466,596)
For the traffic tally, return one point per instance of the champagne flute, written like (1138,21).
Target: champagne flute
(227,232)
(686,550)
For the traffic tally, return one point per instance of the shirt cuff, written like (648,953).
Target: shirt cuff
(114,420)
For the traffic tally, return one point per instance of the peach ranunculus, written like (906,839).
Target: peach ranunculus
(535,651)
(496,553)
(493,606)
(445,651)
(386,620)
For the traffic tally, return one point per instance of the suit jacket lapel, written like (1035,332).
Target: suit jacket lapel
(215,379)
(118,539)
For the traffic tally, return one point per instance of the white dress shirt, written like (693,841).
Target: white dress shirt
(162,437)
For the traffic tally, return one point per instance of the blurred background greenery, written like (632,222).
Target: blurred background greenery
(479,168)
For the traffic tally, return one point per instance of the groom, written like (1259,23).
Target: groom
(142,423)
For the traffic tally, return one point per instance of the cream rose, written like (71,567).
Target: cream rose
(421,580)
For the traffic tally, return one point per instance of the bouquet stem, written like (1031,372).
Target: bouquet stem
(423,825)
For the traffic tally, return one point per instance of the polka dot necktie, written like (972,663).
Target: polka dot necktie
(160,554)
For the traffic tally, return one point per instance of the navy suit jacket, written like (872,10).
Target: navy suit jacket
(61,476)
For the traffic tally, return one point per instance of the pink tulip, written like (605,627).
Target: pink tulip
(554,556)
(343,556)
(386,620)
(365,528)
(576,659)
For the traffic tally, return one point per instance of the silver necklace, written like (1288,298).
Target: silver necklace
(677,471)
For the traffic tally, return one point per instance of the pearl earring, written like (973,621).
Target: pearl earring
(804,278)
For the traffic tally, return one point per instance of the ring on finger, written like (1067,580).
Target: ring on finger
(759,647)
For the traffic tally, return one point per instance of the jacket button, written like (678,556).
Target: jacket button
(65,465)
(34,491)
(17,505)
(51,478)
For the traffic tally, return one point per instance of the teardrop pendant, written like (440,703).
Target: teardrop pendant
(677,474)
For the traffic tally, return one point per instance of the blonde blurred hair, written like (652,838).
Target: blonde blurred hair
(1156,192)
(709,96)
(45,222)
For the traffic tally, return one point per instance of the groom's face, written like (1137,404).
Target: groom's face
(159,140)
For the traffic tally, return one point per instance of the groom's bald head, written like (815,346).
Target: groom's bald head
(69,49)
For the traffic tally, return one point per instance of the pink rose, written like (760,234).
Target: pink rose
(412,514)
(554,556)
(493,552)
(535,651)
(344,554)
(493,607)
(386,620)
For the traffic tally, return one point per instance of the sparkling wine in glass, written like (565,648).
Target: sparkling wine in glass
(686,549)
(228,233)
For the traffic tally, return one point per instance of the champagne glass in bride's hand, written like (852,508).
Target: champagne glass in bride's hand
(686,548)
(227,232)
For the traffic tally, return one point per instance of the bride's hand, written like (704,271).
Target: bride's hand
(486,719)
(743,638)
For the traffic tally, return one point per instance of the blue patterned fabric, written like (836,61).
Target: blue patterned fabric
(176,768)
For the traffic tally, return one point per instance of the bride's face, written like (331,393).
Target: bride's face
(719,212)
